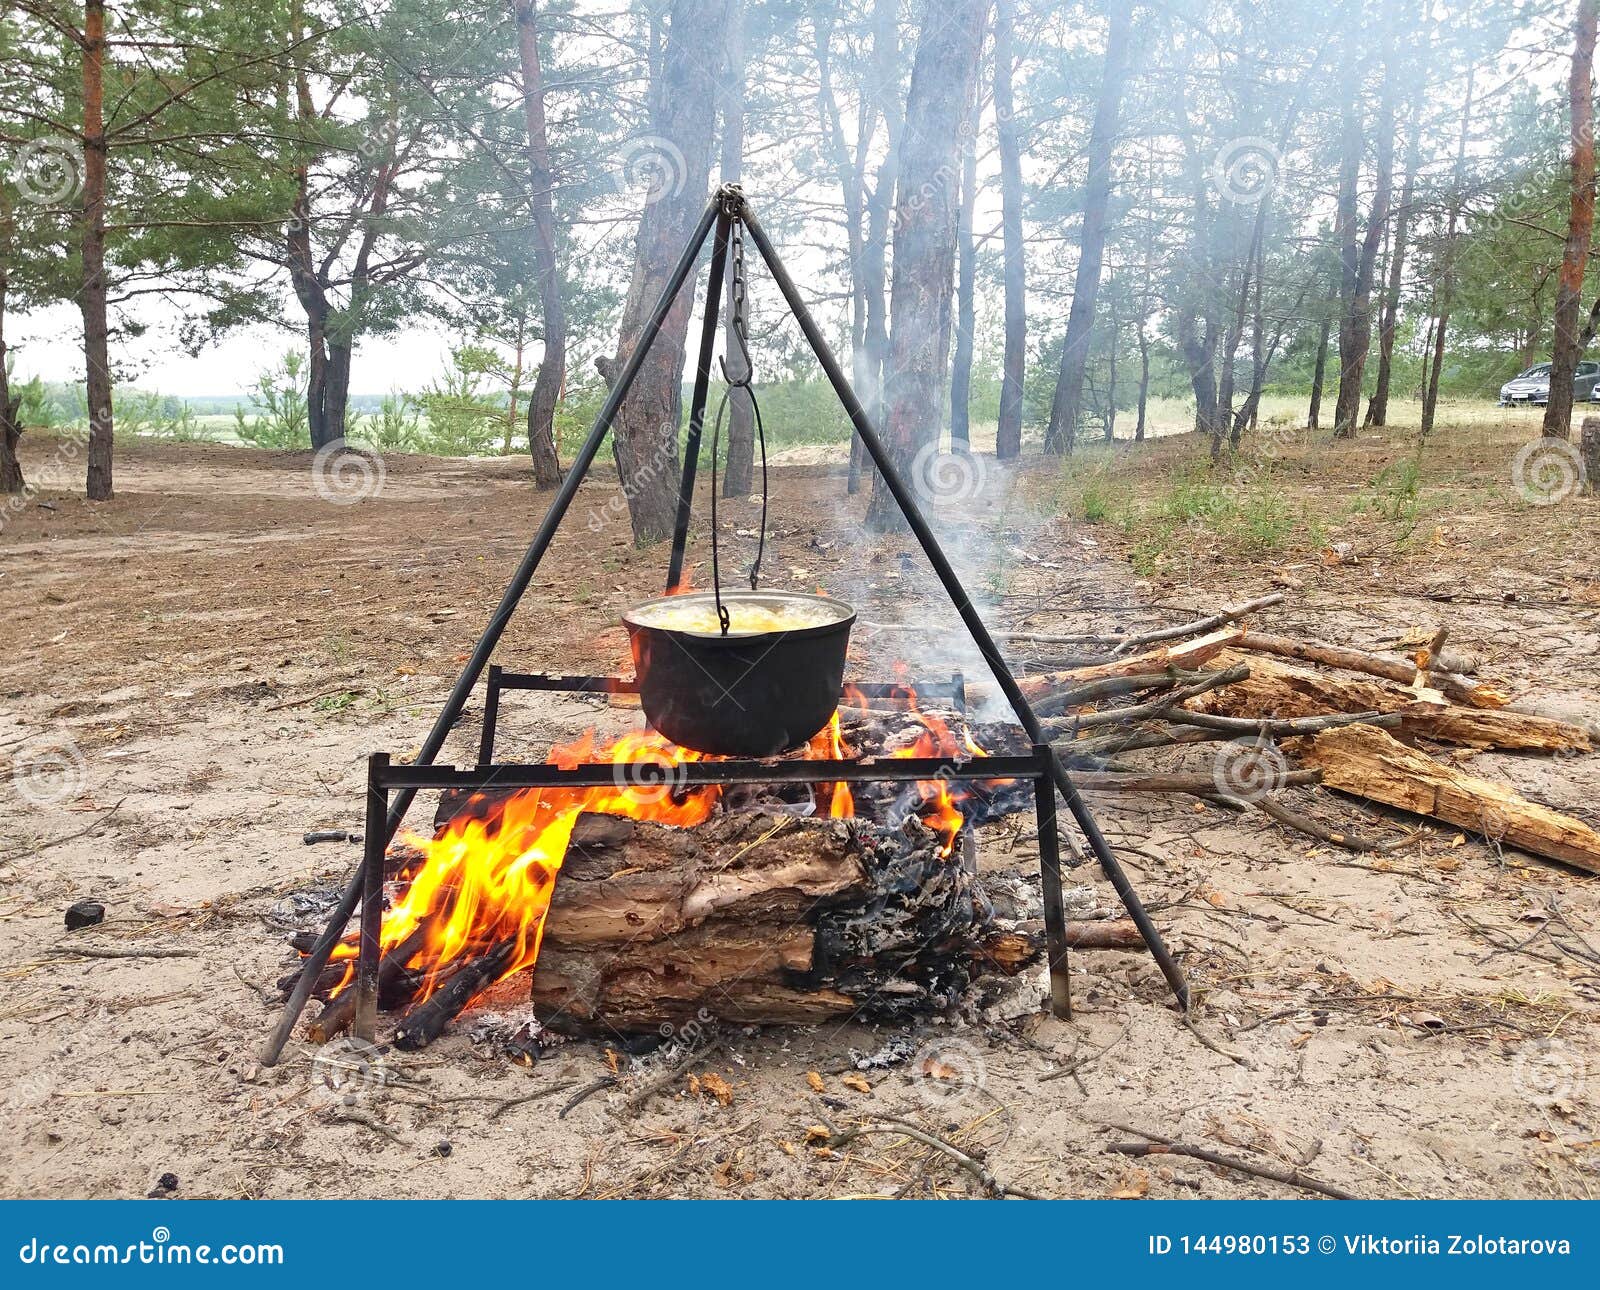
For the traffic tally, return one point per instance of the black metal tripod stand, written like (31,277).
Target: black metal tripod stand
(391,790)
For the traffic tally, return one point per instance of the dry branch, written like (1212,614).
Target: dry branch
(1462,689)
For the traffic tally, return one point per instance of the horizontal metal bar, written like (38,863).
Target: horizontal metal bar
(952,689)
(574,684)
(699,774)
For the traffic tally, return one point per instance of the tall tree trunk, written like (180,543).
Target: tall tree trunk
(942,77)
(1008,433)
(683,111)
(514,394)
(966,289)
(1111,378)
(1319,375)
(739,475)
(875,250)
(1378,405)
(552,372)
(11,480)
(1066,406)
(92,302)
(1434,364)
(1144,381)
(1580,225)
(1360,258)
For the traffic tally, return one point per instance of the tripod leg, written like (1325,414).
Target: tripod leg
(498,622)
(958,596)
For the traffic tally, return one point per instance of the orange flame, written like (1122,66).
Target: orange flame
(487,878)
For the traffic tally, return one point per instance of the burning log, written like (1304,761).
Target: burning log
(1368,763)
(426,1022)
(758,919)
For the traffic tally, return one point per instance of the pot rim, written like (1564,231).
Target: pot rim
(844,622)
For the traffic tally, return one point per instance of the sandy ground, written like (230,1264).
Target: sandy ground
(207,660)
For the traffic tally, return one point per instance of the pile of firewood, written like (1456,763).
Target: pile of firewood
(1363,723)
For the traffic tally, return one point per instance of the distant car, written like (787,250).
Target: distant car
(1533,386)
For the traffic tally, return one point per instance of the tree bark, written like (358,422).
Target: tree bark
(1446,287)
(1144,381)
(683,111)
(1565,352)
(541,182)
(1378,405)
(925,237)
(1359,258)
(652,925)
(738,476)
(1066,406)
(1008,433)
(1372,765)
(880,205)
(1319,373)
(11,480)
(966,288)
(92,302)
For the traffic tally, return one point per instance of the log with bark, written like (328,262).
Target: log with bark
(1444,672)
(755,919)
(1282,690)
(1370,764)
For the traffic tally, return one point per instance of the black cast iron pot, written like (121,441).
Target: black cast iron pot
(752,695)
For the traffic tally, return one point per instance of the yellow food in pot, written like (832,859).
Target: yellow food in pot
(744,619)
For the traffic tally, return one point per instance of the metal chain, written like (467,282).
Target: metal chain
(738,324)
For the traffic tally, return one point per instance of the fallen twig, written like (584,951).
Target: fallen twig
(1160,1146)
(838,1137)
(585,1093)
(97,952)
(36,847)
